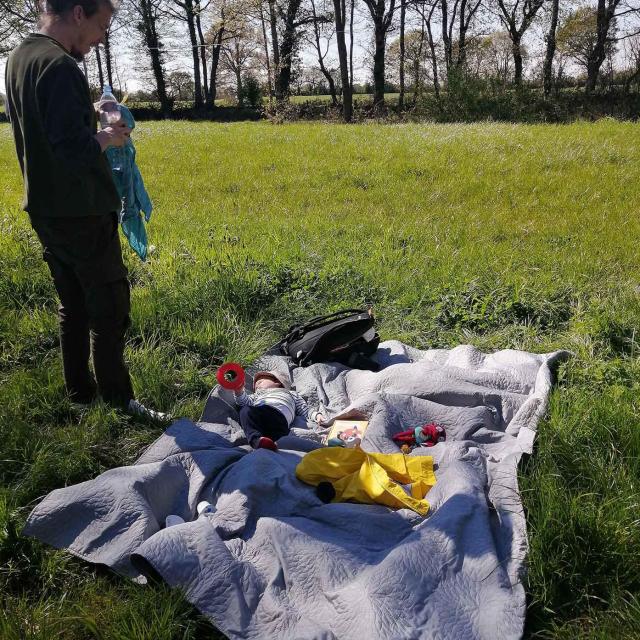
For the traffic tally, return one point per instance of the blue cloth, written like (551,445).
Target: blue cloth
(130,186)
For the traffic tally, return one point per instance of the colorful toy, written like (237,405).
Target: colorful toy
(425,436)
(231,376)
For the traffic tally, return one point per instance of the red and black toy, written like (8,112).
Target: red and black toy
(425,436)
(231,376)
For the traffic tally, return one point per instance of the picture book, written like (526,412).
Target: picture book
(350,432)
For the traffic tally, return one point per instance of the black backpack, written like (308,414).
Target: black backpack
(347,337)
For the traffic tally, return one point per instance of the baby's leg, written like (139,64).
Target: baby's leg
(262,421)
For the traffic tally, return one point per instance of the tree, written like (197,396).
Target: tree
(322,52)
(491,57)
(188,11)
(632,54)
(403,17)
(547,67)
(577,35)
(382,16)
(462,14)
(426,11)
(288,47)
(346,77)
(239,50)
(145,17)
(510,12)
(202,47)
(17,18)
(265,40)
(108,56)
(589,35)
(416,59)
(99,64)
(251,92)
(578,39)
(214,39)
(605,23)
(181,86)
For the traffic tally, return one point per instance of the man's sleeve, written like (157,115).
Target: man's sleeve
(65,109)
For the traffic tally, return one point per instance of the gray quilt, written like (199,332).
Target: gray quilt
(273,561)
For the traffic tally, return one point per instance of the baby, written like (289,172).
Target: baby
(267,414)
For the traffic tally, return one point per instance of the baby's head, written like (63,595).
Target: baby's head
(267,380)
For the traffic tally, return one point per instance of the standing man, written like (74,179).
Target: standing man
(70,195)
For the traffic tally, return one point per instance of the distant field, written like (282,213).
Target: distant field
(496,235)
(360,97)
(229,102)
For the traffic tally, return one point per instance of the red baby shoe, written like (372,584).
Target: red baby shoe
(267,443)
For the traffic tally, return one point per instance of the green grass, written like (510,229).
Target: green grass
(496,235)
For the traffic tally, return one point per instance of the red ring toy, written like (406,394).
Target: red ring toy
(231,376)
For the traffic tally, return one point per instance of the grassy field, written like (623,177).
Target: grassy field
(392,98)
(496,235)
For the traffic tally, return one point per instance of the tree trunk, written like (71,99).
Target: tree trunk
(287,46)
(351,47)
(403,6)
(323,69)
(100,74)
(547,68)
(190,16)
(107,59)
(266,53)
(597,56)
(274,40)
(416,64)
(215,59)
(462,37)
(446,38)
(381,23)
(154,47)
(347,95)
(378,67)
(203,54)
(434,59)
(630,79)
(517,61)
(239,85)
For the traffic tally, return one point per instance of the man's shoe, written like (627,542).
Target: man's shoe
(136,408)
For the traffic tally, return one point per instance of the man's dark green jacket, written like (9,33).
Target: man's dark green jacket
(53,120)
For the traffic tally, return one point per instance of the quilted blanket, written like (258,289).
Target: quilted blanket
(273,561)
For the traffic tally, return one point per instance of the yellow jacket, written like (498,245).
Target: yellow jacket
(392,479)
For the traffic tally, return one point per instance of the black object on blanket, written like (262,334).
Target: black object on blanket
(347,336)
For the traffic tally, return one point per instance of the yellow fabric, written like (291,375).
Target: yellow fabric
(371,477)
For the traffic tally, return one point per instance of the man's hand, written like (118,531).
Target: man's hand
(320,419)
(114,136)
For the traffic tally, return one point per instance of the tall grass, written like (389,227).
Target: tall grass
(496,235)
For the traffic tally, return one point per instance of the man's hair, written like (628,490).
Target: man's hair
(63,7)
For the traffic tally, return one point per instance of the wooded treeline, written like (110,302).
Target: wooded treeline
(183,50)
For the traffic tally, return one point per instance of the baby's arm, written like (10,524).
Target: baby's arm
(243,399)
(302,409)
